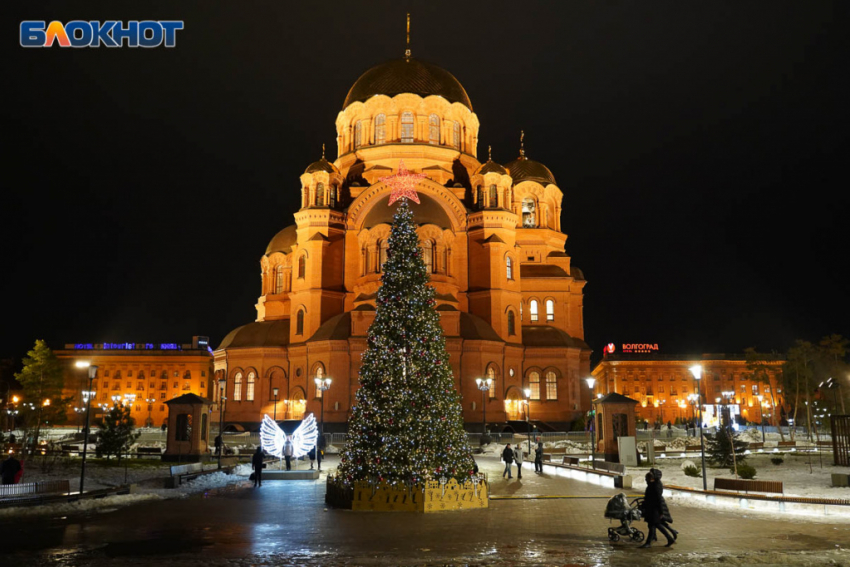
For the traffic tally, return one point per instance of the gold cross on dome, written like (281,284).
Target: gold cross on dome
(403,184)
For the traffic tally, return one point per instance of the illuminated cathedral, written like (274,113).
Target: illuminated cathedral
(509,298)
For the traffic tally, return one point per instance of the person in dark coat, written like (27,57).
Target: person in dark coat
(257,464)
(508,457)
(218,444)
(9,469)
(538,457)
(320,451)
(653,510)
(666,518)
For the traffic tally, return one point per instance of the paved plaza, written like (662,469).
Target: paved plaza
(287,523)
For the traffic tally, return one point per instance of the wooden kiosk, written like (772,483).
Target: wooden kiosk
(188,438)
(615,417)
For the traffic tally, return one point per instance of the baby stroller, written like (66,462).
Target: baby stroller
(618,508)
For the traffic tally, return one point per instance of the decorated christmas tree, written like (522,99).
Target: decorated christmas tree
(406,426)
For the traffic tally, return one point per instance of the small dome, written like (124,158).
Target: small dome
(258,334)
(283,240)
(321,165)
(491,166)
(524,169)
(407,76)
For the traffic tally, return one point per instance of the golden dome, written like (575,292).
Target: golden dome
(407,76)
(524,169)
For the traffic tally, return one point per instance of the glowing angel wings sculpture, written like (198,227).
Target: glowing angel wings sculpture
(303,439)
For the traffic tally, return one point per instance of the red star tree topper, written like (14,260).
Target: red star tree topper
(403,184)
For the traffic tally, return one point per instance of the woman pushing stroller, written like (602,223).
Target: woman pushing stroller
(655,511)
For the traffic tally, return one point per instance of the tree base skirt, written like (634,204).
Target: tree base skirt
(365,496)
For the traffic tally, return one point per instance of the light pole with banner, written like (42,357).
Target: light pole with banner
(527,393)
(322,385)
(591,382)
(222,383)
(696,370)
(92,370)
(275,392)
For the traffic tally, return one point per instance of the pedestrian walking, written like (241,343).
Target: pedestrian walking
(9,469)
(218,444)
(288,451)
(257,464)
(538,457)
(320,451)
(653,511)
(518,459)
(669,429)
(508,457)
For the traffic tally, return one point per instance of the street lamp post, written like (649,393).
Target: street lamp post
(696,370)
(322,385)
(591,382)
(150,402)
(88,398)
(484,384)
(527,393)
(761,414)
(221,399)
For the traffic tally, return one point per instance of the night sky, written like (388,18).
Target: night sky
(701,147)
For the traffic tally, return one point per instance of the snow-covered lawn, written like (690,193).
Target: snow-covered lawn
(147,475)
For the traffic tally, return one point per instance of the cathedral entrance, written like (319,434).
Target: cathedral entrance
(513,405)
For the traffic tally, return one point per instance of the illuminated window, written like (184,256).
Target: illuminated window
(320,194)
(140,386)
(299,323)
(528,213)
(237,387)
(332,197)
(550,310)
(755,389)
(187,375)
(381,129)
(767,389)
(494,197)
(456,135)
(249,393)
(434,129)
(278,279)
(551,386)
(358,133)
(480,197)
(511,323)
(320,374)
(534,384)
(153,373)
(532,307)
(302,266)
(509,268)
(491,373)
(407,127)
(106,373)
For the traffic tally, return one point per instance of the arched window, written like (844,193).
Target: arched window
(299,322)
(494,197)
(278,279)
(480,197)
(456,135)
(511,323)
(550,310)
(320,193)
(434,129)
(532,307)
(305,202)
(509,265)
(320,374)
(381,129)
(528,213)
(366,258)
(428,256)
(358,133)
(249,394)
(302,266)
(551,386)
(407,127)
(332,197)
(534,384)
(491,373)
(237,387)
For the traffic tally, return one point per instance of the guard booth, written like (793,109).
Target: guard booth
(188,438)
(615,417)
